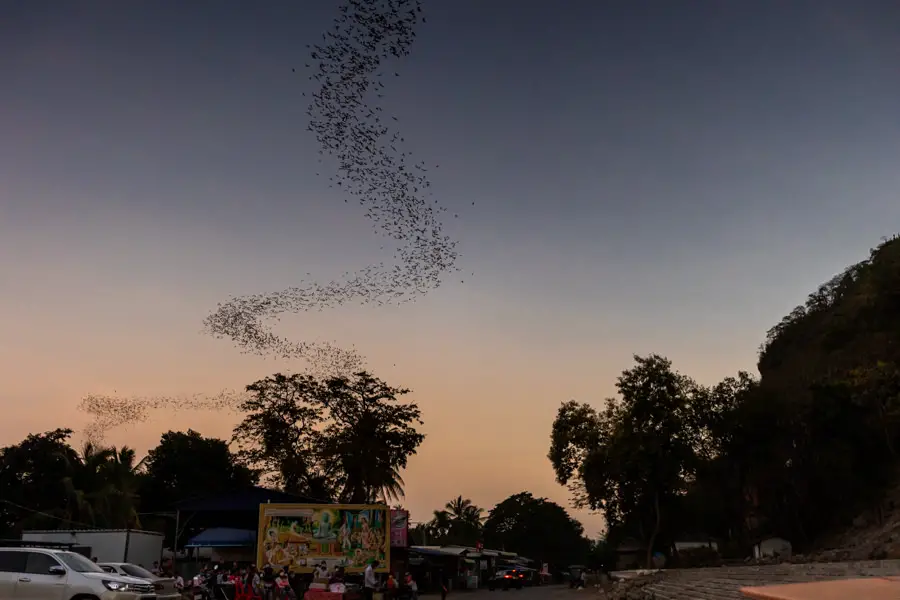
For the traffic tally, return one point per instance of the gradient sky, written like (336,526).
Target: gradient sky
(666,177)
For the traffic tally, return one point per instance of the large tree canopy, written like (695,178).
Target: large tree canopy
(537,529)
(187,465)
(339,438)
(45,483)
(633,460)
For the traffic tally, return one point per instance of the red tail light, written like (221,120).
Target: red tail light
(507,577)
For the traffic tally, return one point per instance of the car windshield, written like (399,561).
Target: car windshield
(136,571)
(78,563)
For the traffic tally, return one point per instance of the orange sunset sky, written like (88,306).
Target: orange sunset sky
(621,177)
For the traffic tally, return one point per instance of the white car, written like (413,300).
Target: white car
(32,573)
(163,586)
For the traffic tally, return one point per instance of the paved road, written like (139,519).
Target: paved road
(544,592)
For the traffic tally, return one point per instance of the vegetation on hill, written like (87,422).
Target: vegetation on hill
(797,453)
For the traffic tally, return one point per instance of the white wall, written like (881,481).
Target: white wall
(107,546)
(771,547)
(144,547)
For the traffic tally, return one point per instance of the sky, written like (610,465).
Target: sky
(668,177)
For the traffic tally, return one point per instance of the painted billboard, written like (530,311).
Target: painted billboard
(399,528)
(302,536)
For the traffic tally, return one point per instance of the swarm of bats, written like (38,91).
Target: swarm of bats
(372,167)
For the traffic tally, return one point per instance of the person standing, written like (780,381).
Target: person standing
(268,583)
(413,587)
(369,581)
(390,588)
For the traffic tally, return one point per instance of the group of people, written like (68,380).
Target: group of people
(392,589)
(166,569)
(268,583)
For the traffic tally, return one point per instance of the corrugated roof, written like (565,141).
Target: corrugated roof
(437,551)
(91,531)
(483,552)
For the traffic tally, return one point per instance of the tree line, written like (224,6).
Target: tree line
(332,440)
(529,526)
(798,452)
(339,439)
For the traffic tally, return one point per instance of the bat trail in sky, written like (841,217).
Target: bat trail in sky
(374,168)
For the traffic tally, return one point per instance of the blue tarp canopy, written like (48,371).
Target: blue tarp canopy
(223,537)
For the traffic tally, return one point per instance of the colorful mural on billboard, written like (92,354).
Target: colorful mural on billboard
(399,528)
(302,536)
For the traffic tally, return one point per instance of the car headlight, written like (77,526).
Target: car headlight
(116,586)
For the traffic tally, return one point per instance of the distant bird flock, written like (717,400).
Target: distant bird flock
(373,167)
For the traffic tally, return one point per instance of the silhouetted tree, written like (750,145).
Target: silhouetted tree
(537,529)
(341,438)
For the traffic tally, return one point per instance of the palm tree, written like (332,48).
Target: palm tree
(368,479)
(81,483)
(462,510)
(439,527)
(101,487)
(462,520)
(390,488)
(121,480)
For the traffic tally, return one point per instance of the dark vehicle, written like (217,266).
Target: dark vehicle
(529,576)
(506,580)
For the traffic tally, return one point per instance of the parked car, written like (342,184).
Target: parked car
(163,586)
(53,574)
(506,580)
(529,576)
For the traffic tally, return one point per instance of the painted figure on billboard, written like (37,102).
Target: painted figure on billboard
(302,536)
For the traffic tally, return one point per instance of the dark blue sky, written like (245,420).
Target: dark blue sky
(661,176)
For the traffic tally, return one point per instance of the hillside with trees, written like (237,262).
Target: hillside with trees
(802,452)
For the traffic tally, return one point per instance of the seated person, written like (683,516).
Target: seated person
(338,576)
(284,586)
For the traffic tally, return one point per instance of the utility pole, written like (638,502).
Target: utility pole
(178,531)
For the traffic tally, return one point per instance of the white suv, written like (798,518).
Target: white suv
(46,574)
